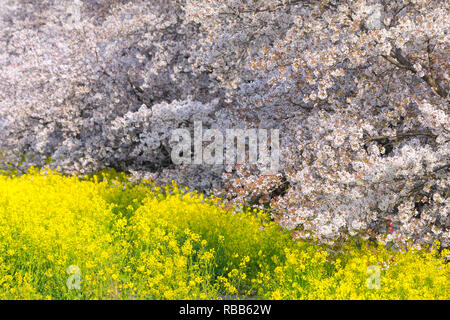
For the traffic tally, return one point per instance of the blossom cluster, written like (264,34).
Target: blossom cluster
(360,92)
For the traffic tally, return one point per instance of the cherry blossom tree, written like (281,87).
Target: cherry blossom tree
(357,88)
(360,90)
(92,90)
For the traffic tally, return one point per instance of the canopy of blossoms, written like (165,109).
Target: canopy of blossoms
(357,88)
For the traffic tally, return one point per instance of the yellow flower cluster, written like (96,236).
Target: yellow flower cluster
(361,273)
(47,223)
(102,237)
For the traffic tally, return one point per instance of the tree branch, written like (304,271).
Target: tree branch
(402,62)
(401,136)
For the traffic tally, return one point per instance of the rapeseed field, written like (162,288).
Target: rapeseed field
(103,237)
